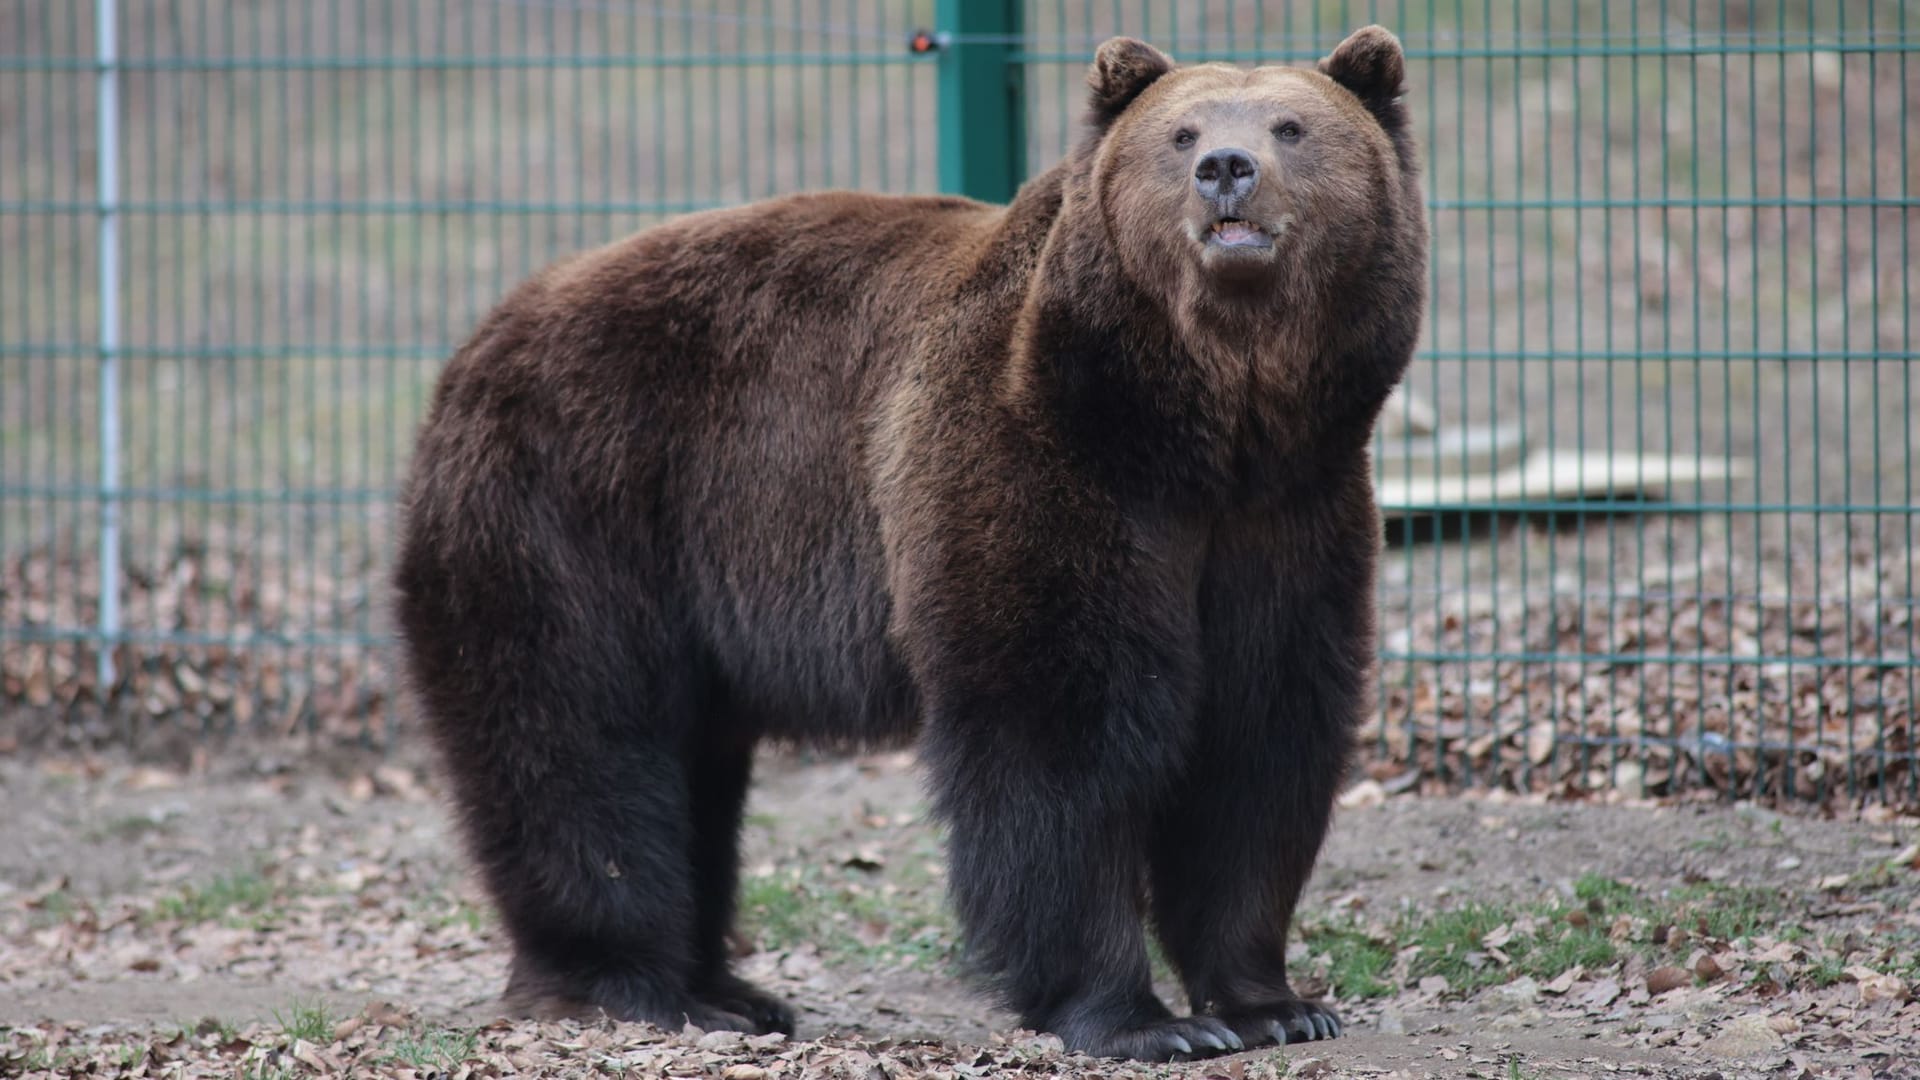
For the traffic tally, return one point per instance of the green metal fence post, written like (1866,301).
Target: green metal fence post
(983,130)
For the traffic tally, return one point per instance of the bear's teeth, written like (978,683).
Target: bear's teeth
(1235,231)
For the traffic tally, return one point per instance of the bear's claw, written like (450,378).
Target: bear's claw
(1171,1039)
(1286,1022)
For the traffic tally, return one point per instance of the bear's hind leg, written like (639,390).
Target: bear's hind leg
(593,883)
(562,710)
(718,785)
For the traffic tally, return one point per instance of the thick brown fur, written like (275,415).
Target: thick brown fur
(1073,489)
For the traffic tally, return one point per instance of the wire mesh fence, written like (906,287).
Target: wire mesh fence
(1650,496)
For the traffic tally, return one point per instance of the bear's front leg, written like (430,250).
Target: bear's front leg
(1046,873)
(1058,674)
(1290,658)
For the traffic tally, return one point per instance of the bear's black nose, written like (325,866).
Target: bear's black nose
(1226,173)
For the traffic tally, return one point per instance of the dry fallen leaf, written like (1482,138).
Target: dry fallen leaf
(148,778)
(1661,980)
(1601,994)
(389,1014)
(1363,794)
(398,782)
(1564,981)
(39,894)
(1744,1037)
(1540,739)
(1876,986)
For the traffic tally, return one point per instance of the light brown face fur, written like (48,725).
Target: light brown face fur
(1320,167)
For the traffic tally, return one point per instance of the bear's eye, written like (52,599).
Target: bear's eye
(1184,138)
(1287,132)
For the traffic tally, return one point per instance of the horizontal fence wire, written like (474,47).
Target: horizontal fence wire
(1649,493)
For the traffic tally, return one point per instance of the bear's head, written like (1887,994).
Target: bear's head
(1275,182)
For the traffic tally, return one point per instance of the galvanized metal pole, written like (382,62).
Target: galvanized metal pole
(983,112)
(109,182)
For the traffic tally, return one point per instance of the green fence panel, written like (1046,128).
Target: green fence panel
(1671,251)
(1650,499)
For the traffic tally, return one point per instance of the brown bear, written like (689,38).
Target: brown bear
(1075,490)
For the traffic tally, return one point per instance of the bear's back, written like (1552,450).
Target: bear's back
(701,393)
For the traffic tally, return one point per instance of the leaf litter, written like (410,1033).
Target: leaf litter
(299,925)
(1716,675)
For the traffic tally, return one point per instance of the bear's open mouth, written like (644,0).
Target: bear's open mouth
(1239,233)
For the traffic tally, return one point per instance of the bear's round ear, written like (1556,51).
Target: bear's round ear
(1370,64)
(1121,69)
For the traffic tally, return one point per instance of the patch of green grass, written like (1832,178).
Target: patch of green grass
(850,916)
(930,948)
(1613,893)
(1450,940)
(1450,946)
(1158,962)
(60,1061)
(1885,874)
(439,910)
(54,908)
(245,892)
(129,827)
(1574,946)
(436,1049)
(309,1020)
(227,1030)
(1731,912)
(1357,962)
(1825,971)
(775,909)
(911,932)
(1604,923)
(1514,1071)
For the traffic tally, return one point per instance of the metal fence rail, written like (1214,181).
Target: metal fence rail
(1651,498)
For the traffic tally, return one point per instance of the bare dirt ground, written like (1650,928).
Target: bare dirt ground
(269,921)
